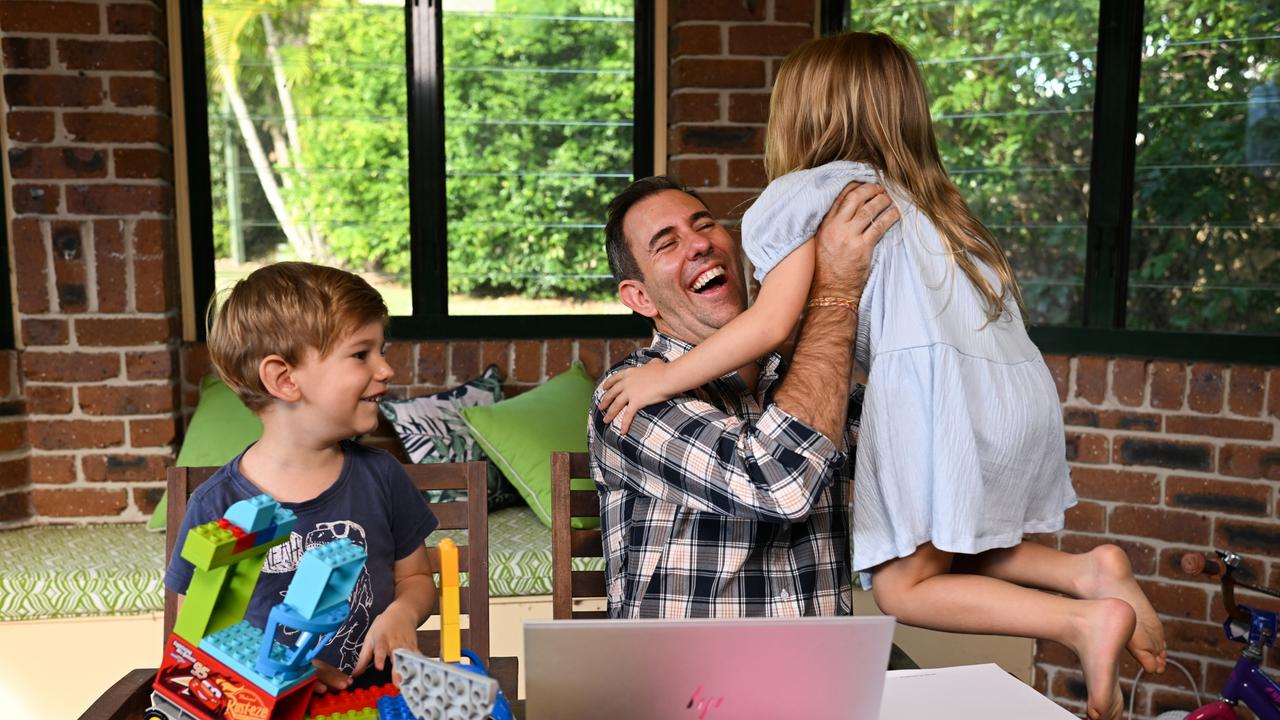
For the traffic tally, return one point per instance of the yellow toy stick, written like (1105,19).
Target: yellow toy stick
(450,613)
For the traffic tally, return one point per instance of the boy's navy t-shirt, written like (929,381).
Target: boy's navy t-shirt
(373,502)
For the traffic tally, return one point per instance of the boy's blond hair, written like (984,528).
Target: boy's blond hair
(284,309)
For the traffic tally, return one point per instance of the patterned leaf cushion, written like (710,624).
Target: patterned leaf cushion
(432,431)
(520,434)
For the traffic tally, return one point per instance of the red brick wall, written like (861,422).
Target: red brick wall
(88,155)
(1167,456)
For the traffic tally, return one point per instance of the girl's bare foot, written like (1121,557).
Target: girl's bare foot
(1101,630)
(1113,577)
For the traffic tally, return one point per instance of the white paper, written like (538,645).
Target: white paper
(965,692)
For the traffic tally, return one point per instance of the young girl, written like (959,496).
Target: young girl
(961,449)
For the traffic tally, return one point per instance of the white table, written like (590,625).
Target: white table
(966,692)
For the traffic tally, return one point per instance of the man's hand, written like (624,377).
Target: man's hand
(858,218)
(393,629)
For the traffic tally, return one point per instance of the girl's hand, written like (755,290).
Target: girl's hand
(626,391)
(390,631)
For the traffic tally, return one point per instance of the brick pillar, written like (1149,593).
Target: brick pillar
(724,56)
(88,154)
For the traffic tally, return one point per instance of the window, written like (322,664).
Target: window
(1126,157)
(1205,248)
(458,154)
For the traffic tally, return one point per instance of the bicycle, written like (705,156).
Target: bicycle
(1247,683)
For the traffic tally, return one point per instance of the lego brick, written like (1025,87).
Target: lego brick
(450,644)
(394,708)
(335,702)
(369,713)
(201,601)
(449,604)
(448,563)
(252,514)
(237,647)
(208,545)
(216,544)
(325,577)
(437,689)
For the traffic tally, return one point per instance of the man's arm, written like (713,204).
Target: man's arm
(816,387)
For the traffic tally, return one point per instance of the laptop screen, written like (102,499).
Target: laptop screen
(706,669)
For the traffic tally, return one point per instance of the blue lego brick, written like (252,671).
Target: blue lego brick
(325,577)
(393,707)
(252,514)
(284,521)
(237,647)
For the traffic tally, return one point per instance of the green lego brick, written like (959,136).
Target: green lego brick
(217,598)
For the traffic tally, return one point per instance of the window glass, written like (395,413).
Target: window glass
(1011,89)
(308,141)
(308,145)
(539,135)
(1205,247)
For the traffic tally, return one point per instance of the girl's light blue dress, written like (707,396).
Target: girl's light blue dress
(961,440)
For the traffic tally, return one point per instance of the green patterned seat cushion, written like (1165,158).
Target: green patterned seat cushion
(78,571)
(94,570)
(519,553)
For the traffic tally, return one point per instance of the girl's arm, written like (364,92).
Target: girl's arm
(756,331)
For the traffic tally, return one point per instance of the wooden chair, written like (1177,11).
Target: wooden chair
(130,695)
(568,543)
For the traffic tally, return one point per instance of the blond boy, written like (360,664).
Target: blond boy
(302,346)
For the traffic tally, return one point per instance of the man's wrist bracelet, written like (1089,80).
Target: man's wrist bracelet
(833,301)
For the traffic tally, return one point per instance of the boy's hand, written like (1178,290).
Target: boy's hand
(329,677)
(626,391)
(393,629)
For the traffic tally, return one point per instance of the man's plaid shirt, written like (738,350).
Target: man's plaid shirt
(718,503)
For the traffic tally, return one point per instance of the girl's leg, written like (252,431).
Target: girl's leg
(919,591)
(1100,573)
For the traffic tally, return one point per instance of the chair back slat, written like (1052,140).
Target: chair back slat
(464,558)
(579,465)
(585,543)
(452,515)
(567,543)
(584,503)
(588,583)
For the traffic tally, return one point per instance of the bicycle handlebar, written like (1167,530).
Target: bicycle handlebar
(1195,564)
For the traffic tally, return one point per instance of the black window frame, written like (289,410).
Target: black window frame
(1110,219)
(424,54)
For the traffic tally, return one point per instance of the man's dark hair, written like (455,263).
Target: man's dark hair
(622,262)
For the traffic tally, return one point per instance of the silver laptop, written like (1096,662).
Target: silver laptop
(767,668)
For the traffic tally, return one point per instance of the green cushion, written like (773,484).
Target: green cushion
(520,434)
(57,571)
(220,428)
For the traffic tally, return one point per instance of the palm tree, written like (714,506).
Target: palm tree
(225,23)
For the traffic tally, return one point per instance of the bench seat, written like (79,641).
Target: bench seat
(64,571)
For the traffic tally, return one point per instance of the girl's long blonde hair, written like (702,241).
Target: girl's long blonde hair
(860,97)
